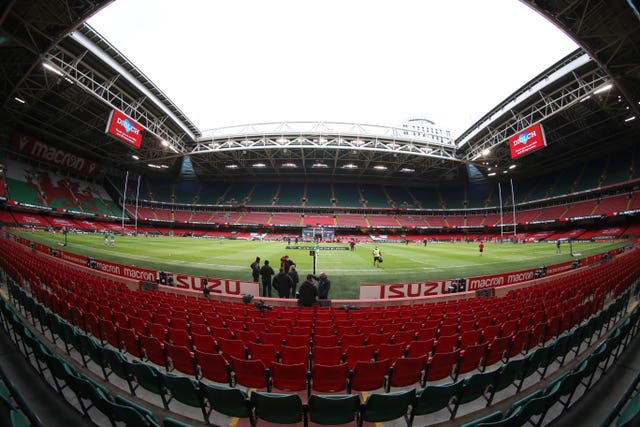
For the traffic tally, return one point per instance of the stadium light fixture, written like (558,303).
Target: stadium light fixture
(164,143)
(603,89)
(492,174)
(350,166)
(630,119)
(52,69)
(319,165)
(135,157)
(231,166)
(20,100)
(289,165)
(407,170)
(486,152)
(512,167)
(380,167)
(259,165)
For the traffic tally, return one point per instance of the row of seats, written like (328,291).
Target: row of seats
(535,406)
(14,407)
(421,401)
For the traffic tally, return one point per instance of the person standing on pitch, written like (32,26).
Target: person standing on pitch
(558,250)
(377,256)
(282,283)
(324,284)
(266,272)
(481,248)
(293,273)
(308,292)
(255,269)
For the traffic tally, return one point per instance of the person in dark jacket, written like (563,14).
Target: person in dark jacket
(266,272)
(255,269)
(282,283)
(286,263)
(308,293)
(324,284)
(293,273)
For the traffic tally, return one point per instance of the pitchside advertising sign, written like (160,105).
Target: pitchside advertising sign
(180,281)
(124,128)
(527,141)
(439,287)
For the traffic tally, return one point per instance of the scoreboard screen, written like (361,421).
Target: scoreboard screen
(527,141)
(324,233)
(124,128)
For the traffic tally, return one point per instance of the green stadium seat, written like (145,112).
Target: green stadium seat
(383,407)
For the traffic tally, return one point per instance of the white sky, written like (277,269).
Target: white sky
(226,63)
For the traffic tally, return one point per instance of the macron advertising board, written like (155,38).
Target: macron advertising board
(527,141)
(124,128)
(36,149)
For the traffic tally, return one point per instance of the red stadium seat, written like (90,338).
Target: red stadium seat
(327,355)
(348,340)
(179,358)
(249,373)
(229,348)
(407,372)
(152,349)
(289,377)
(212,366)
(179,337)
(358,353)
(390,351)
(498,350)
(404,336)
(420,348)
(520,343)
(329,378)
(325,340)
(294,354)
(376,339)
(129,341)
(473,357)
(205,343)
(442,365)
(265,352)
(367,376)
(447,343)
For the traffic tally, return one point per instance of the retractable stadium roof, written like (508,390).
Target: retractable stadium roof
(586,103)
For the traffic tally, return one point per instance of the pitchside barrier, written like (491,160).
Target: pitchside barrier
(477,283)
(370,294)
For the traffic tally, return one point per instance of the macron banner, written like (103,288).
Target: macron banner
(527,141)
(38,150)
(181,281)
(124,128)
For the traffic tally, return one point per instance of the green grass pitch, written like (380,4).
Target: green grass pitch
(347,270)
